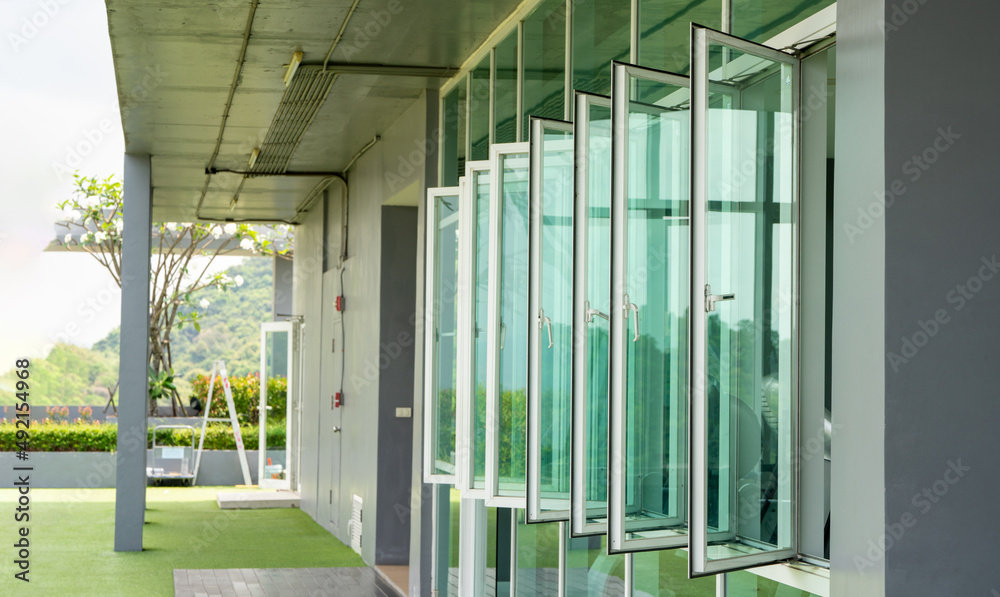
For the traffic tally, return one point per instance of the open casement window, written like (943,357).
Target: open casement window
(441,352)
(507,331)
(591,305)
(474,248)
(744,386)
(550,337)
(649,310)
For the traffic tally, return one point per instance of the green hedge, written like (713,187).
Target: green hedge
(96,437)
(246,396)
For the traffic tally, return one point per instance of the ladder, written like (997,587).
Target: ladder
(220,366)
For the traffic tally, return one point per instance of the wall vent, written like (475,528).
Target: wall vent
(355,524)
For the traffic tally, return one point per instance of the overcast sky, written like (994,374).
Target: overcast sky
(57,93)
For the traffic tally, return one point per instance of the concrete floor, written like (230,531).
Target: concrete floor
(281,582)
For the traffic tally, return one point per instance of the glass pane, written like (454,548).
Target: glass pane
(276,375)
(665,31)
(512,361)
(453,131)
(747,583)
(445,321)
(551,396)
(590,571)
(544,91)
(749,332)
(593,262)
(664,573)
(505,91)
(477,445)
(760,20)
(651,384)
(537,572)
(479,111)
(601,33)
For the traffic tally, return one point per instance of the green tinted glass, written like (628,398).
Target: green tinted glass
(590,571)
(480,181)
(479,111)
(445,322)
(505,90)
(600,34)
(544,92)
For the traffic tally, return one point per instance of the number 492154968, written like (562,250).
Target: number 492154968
(23,407)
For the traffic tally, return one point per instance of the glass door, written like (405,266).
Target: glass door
(743,295)
(591,306)
(649,310)
(507,333)
(474,292)
(441,325)
(278,365)
(550,339)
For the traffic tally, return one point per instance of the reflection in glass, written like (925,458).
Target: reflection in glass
(453,118)
(275,377)
(479,111)
(600,34)
(590,571)
(760,20)
(512,373)
(593,263)
(544,93)
(664,573)
(665,31)
(445,320)
(480,181)
(537,573)
(505,90)
(749,252)
(650,434)
(551,393)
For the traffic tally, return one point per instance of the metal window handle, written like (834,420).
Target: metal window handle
(336,429)
(711,299)
(592,313)
(503,335)
(630,306)
(543,320)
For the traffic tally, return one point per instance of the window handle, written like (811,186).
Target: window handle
(592,313)
(711,299)
(630,306)
(503,335)
(543,320)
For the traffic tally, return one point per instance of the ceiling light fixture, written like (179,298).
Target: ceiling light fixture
(292,67)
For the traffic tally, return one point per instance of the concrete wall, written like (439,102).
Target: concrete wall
(392,173)
(942,257)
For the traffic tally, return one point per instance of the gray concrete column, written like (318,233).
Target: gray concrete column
(133,401)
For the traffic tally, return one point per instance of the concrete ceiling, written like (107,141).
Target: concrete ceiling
(175,61)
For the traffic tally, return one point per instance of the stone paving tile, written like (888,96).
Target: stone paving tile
(281,582)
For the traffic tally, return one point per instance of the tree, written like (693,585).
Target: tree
(182,256)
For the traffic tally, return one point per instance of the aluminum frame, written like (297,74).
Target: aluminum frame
(698,563)
(467,332)
(618,526)
(535,511)
(493,332)
(580,512)
(430,327)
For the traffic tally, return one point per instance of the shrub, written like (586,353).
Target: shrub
(246,397)
(97,437)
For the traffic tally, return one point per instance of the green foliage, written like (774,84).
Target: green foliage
(246,396)
(70,375)
(161,384)
(97,437)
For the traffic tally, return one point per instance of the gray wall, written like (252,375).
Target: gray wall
(942,447)
(284,275)
(396,341)
(857,396)
(392,172)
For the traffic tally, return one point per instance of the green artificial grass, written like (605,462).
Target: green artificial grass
(72,541)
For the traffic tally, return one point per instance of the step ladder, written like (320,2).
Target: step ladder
(220,367)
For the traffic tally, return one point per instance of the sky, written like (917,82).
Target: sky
(58,113)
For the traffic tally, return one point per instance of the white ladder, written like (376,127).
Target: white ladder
(233,420)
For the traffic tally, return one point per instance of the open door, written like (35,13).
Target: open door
(744,292)
(278,366)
